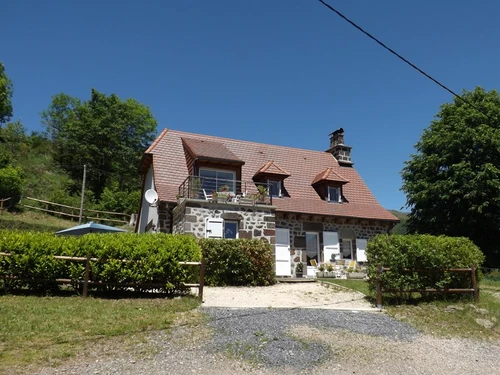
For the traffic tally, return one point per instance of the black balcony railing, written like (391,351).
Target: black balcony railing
(225,191)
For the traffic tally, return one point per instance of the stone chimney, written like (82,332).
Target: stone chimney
(338,149)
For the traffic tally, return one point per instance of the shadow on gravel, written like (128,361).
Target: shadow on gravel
(263,335)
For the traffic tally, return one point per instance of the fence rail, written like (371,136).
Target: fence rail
(75,211)
(472,270)
(5,204)
(86,281)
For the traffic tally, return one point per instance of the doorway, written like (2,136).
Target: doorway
(312,247)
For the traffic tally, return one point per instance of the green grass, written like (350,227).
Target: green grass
(357,285)
(436,318)
(33,221)
(44,330)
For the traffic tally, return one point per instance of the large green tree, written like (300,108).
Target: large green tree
(106,133)
(452,183)
(6,90)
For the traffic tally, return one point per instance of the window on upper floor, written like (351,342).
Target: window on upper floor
(274,188)
(334,194)
(217,180)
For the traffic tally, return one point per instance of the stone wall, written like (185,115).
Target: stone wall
(164,218)
(254,221)
(347,228)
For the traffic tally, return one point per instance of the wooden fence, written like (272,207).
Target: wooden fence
(74,212)
(472,270)
(86,281)
(5,203)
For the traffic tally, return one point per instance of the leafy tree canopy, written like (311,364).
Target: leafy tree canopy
(106,133)
(452,183)
(6,90)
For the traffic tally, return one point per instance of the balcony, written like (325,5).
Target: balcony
(225,191)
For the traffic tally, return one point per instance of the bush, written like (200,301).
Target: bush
(10,182)
(400,252)
(238,262)
(153,258)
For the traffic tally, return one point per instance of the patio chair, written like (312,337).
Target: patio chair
(208,197)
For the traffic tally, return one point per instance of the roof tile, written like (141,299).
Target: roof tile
(170,169)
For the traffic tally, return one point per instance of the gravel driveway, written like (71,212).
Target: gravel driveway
(296,340)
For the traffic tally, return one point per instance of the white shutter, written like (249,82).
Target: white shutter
(214,228)
(361,250)
(282,252)
(331,246)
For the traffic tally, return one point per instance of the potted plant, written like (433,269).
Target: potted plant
(355,273)
(262,194)
(299,269)
(329,268)
(321,271)
(195,188)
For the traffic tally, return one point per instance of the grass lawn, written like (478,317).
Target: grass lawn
(438,318)
(45,330)
(34,221)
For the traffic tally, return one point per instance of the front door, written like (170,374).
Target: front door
(312,247)
(282,250)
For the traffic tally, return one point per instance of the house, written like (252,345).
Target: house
(312,205)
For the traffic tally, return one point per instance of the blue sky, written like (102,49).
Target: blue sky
(285,72)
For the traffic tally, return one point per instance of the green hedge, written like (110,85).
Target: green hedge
(154,258)
(422,252)
(238,262)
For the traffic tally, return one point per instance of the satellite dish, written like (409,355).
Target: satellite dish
(151,196)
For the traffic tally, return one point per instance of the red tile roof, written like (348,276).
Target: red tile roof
(271,168)
(205,149)
(329,175)
(170,170)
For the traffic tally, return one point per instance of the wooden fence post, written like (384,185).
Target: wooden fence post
(379,286)
(475,285)
(86,279)
(202,279)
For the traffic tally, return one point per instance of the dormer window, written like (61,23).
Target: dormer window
(334,194)
(274,188)
(274,176)
(328,184)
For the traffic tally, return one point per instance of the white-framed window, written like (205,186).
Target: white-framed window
(215,179)
(274,188)
(220,228)
(334,195)
(231,229)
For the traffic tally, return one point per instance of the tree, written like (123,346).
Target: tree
(106,133)
(452,183)
(6,91)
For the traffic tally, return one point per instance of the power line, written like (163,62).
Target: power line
(401,57)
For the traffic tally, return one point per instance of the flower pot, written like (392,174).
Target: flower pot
(299,275)
(320,274)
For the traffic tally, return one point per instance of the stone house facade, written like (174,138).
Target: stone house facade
(312,206)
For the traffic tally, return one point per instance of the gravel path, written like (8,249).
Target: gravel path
(299,340)
(307,295)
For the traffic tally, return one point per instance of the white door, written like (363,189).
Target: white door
(282,250)
(331,246)
(213,228)
(361,250)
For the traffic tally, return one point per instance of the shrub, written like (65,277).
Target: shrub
(153,258)
(10,182)
(400,252)
(238,262)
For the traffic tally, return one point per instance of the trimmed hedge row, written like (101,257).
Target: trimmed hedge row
(238,262)
(422,252)
(154,258)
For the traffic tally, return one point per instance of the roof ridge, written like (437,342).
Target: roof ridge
(252,142)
